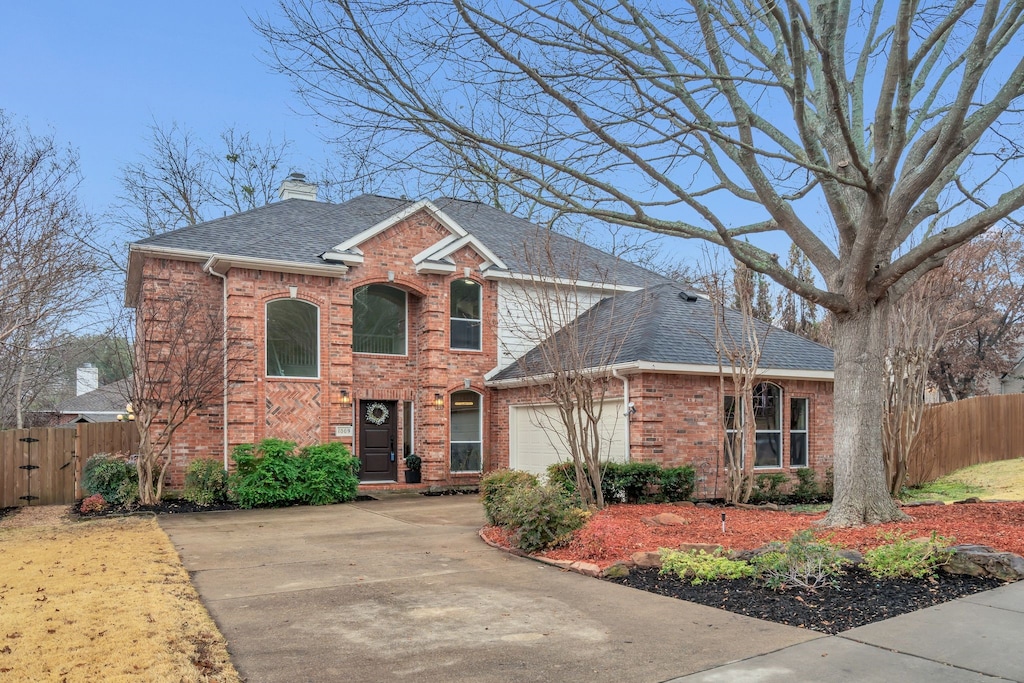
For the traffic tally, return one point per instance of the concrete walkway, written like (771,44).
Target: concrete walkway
(403,589)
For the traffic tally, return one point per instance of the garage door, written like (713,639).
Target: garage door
(537,436)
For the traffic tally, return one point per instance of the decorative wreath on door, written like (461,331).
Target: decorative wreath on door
(377,413)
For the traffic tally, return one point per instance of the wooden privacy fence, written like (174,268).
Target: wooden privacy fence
(967,432)
(42,466)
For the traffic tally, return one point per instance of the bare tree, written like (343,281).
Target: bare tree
(893,125)
(178,369)
(738,345)
(576,327)
(46,279)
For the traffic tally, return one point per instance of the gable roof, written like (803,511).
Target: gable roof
(307,234)
(666,328)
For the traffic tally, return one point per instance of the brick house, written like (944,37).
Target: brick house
(394,326)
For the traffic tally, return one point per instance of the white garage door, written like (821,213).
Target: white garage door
(537,436)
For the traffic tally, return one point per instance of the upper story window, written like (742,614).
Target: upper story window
(379,320)
(465,310)
(293,339)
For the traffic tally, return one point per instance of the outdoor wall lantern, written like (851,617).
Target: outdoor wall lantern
(129,413)
(345,398)
(438,401)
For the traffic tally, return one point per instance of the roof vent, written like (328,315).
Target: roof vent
(687,296)
(296,187)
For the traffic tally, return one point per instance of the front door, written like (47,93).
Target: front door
(378,438)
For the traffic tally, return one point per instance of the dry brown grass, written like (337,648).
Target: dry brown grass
(106,600)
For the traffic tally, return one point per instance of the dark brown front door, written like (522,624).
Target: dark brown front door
(378,438)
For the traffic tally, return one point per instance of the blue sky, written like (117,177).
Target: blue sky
(99,74)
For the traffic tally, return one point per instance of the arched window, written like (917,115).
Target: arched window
(466,432)
(378,320)
(768,425)
(293,339)
(465,311)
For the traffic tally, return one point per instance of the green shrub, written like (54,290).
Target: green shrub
(677,483)
(495,486)
(903,557)
(541,516)
(111,476)
(698,566)
(807,489)
(804,562)
(206,482)
(266,475)
(327,474)
(564,475)
(768,488)
(631,480)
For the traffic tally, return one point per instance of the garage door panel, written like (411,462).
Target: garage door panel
(538,439)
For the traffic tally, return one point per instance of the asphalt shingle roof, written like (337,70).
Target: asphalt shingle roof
(108,398)
(298,231)
(665,324)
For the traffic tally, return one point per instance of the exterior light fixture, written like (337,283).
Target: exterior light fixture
(129,414)
(345,398)
(438,401)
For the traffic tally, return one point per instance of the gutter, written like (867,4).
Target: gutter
(637,367)
(208,267)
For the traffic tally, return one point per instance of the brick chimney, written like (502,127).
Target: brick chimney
(296,187)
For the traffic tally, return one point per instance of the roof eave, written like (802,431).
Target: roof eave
(638,367)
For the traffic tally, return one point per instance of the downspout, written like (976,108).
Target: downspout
(224,308)
(625,406)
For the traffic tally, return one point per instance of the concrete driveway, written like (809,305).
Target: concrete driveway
(403,589)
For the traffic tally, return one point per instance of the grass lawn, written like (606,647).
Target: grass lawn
(1002,480)
(102,601)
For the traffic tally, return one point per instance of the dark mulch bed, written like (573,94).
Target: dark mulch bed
(6,511)
(857,599)
(169,506)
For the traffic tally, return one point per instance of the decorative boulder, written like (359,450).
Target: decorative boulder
(981,560)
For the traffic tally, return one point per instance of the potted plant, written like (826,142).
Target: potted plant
(413,463)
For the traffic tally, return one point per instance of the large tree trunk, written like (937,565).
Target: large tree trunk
(861,495)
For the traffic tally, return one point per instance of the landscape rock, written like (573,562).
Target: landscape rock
(586,568)
(921,503)
(619,570)
(665,519)
(694,547)
(761,506)
(647,559)
(854,556)
(972,499)
(705,505)
(684,504)
(981,560)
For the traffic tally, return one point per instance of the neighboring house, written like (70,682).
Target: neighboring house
(99,405)
(393,326)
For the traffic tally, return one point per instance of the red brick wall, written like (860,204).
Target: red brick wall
(676,423)
(307,410)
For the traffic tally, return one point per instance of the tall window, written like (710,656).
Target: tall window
(293,348)
(465,311)
(466,430)
(798,432)
(768,425)
(733,420)
(378,320)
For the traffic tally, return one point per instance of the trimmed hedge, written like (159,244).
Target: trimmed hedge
(270,474)
(633,482)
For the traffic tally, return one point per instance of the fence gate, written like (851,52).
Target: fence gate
(42,466)
(38,466)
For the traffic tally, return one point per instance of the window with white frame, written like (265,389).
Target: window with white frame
(293,339)
(379,320)
(466,427)
(767,410)
(798,432)
(465,297)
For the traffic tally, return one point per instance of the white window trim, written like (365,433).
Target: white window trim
(405,351)
(266,340)
(480,307)
(480,431)
(805,431)
(771,431)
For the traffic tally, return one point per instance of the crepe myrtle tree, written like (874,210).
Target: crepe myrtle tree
(877,136)
(178,369)
(565,333)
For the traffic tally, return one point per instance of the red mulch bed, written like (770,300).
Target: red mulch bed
(617,532)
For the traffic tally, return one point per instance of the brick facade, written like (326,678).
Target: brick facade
(676,423)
